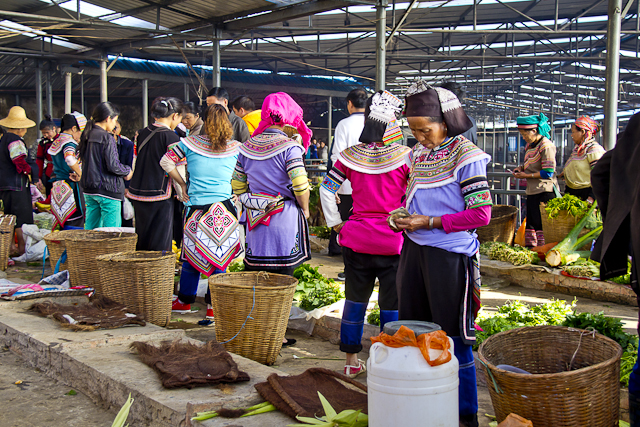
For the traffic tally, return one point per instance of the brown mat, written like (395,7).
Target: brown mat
(298,394)
(182,364)
(100,313)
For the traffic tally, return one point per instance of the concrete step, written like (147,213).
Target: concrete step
(101,365)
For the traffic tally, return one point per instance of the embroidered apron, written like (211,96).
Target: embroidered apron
(63,202)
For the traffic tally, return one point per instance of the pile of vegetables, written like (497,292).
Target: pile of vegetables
(625,279)
(583,268)
(567,251)
(235,267)
(373,318)
(516,314)
(516,255)
(314,290)
(575,207)
(321,231)
(346,418)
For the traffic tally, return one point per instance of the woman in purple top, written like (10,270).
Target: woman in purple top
(448,197)
(271,182)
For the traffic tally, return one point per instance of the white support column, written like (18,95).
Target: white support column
(103,81)
(330,122)
(67,93)
(381,30)
(216,57)
(612,74)
(145,103)
(39,96)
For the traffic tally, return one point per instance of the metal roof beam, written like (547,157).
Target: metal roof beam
(292,12)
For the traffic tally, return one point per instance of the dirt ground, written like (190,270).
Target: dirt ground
(41,401)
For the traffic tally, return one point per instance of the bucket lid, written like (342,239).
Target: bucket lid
(418,327)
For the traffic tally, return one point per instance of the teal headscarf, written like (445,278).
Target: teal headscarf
(539,121)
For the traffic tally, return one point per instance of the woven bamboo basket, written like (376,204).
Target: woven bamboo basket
(7,225)
(502,227)
(232,298)
(83,248)
(56,246)
(586,395)
(556,229)
(141,280)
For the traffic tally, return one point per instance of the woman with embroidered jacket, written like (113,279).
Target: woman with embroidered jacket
(539,169)
(67,201)
(448,197)
(271,182)
(585,154)
(210,159)
(378,169)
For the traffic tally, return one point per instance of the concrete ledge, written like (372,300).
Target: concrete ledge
(538,278)
(101,365)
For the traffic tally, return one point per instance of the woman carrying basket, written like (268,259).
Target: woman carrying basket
(448,196)
(211,159)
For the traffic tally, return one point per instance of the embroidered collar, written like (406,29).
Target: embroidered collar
(267,145)
(375,158)
(201,145)
(437,168)
(59,143)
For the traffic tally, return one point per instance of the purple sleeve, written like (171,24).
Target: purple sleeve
(468,219)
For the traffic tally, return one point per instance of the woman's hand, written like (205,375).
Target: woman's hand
(234,199)
(412,223)
(521,175)
(306,213)
(338,227)
(129,176)
(73,176)
(337,199)
(517,170)
(185,195)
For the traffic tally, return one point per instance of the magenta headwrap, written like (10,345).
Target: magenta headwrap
(280,109)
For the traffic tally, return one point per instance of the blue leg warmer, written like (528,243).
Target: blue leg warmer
(468,389)
(387,316)
(634,395)
(352,326)
(188,283)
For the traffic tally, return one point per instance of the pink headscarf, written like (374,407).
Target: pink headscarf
(280,109)
(590,127)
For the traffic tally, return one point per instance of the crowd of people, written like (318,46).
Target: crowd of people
(199,176)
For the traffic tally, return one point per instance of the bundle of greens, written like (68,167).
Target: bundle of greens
(314,290)
(583,268)
(625,279)
(566,251)
(374,316)
(516,255)
(235,267)
(321,231)
(346,418)
(575,207)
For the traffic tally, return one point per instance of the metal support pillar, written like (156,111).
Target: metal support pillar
(145,103)
(67,93)
(82,109)
(381,30)
(103,81)
(612,74)
(39,96)
(186,92)
(49,93)
(330,122)
(215,46)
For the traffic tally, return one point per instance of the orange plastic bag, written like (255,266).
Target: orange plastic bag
(515,420)
(405,337)
(519,239)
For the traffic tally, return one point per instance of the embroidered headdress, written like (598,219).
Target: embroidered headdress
(423,100)
(381,123)
(280,109)
(538,121)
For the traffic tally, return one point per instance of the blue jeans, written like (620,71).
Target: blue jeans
(189,284)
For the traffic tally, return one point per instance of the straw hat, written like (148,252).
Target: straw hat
(17,119)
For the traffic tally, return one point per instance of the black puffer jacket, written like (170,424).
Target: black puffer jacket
(102,172)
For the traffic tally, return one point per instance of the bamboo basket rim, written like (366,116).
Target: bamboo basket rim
(129,256)
(514,210)
(51,237)
(556,375)
(216,279)
(97,236)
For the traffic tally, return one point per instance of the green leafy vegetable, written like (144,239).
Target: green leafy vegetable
(374,315)
(123,414)
(346,418)
(566,251)
(314,290)
(575,207)
(321,231)
(583,268)
(235,267)
(516,255)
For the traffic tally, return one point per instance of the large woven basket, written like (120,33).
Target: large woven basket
(7,224)
(56,246)
(556,229)
(588,395)
(502,227)
(262,300)
(141,280)
(84,248)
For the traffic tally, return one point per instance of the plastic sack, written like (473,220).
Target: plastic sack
(514,420)
(405,337)
(519,239)
(34,243)
(127,209)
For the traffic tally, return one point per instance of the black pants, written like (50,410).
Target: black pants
(361,271)
(18,203)
(154,225)
(431,286)
(534,220)
(581,193)
(346,209)
(178,221)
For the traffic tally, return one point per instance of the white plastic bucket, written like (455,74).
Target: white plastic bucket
(404,390)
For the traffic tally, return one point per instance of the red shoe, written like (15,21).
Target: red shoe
(209,314)
(353,371)
(178,307)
